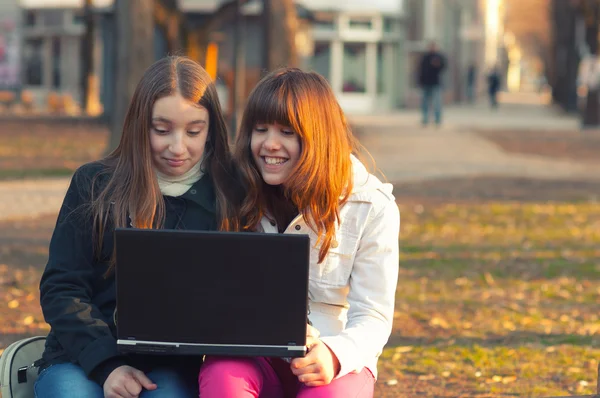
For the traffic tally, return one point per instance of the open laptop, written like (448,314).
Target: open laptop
(219,293)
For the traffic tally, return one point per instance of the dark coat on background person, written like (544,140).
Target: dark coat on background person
(79,300)
(432,65)
(493,82)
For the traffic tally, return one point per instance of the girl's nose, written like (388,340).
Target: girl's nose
(177,145)
(271,142)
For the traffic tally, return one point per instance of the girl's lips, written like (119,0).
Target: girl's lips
(175,162)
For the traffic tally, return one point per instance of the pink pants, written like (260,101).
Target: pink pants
(225,377)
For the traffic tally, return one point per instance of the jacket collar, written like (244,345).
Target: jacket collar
(364,182)
(202,193)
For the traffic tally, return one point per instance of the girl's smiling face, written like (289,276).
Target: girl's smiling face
(276,151)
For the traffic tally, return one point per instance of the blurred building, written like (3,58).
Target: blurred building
(358,47)
(52,32)
(458,28)
(368,50)
(10,48)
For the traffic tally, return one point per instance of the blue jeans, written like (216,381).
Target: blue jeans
(69,380)
(432,95)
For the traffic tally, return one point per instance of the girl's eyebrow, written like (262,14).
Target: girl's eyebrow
(161,119)
(164,120)
(199,121)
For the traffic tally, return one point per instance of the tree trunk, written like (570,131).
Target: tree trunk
(87,56)
(135,53)
(591,113)
(565,56)
(280,36)
(172,21)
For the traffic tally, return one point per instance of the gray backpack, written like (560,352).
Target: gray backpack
(18,367)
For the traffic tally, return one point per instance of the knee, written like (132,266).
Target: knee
(220,369)
(171,383)
(66,380)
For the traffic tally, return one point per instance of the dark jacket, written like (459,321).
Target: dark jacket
(431,68)
(77,300)
(493,82)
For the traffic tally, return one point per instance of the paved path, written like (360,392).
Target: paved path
(402,148)
(406,151)
(31,198)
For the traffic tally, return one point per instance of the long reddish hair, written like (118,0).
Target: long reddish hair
(322,179)
(132,191)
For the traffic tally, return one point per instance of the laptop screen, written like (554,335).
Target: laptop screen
(212,287)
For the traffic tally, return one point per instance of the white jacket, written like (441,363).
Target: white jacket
(352,292)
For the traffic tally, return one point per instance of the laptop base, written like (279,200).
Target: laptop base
(164,348)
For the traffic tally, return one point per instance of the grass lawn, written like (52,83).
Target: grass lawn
(496,299)
(31,149)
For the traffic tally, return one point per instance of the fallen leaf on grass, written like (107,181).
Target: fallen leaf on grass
(403,349)
(509,325)
(392,382)
(28,320)
(439,322)
(13,304)
(573,369)
(489,279)
(508,379)
(495,379)
(426,377)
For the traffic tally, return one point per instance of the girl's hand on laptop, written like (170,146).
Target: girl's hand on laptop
(319,366)
(126,382)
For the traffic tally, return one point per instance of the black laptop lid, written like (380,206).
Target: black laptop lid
(212,287)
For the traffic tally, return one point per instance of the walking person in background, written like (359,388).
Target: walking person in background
(471,83)
(493,86)
(432,65)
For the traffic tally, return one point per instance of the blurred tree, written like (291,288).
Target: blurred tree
(590,11)
(135,52)
(279,22)
(87,55)
(172,22)
(281,25)
(135,41)
(564,54)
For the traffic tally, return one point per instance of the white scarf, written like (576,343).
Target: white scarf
(177,186)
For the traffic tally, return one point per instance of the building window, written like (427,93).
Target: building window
(355,68)
(53,18)
(360,23)
(33,57)
(30,18)
(321,61)
(390,25)
(78,17)
(56,62)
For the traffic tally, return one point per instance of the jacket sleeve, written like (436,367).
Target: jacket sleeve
(372,293)
(66,287)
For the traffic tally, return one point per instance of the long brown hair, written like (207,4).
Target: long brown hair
(132,191)
(322,179)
